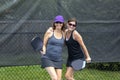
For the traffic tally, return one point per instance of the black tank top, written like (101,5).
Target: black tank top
(74,49)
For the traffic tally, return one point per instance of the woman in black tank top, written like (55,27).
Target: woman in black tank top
(75,47)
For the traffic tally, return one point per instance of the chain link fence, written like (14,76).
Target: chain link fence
(20,62)
(21,20)
(35,72)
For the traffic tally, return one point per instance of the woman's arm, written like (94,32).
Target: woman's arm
(47,34)
(78,38)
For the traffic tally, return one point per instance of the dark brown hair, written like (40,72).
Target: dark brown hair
(63,27)
(72,20)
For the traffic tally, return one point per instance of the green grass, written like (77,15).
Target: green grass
(37,73)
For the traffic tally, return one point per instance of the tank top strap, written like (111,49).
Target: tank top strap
(62,35)
(54,34)
(70,35)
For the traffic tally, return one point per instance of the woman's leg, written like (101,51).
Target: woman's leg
(69,73)
(59,74)
(51,71)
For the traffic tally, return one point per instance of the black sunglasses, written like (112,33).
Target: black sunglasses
(58,22)
(72,24)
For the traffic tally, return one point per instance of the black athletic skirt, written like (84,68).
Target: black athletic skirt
(46,62)
(69,63)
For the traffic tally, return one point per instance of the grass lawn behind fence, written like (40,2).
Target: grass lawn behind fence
(37,73)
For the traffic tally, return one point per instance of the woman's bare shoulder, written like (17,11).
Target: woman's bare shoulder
(49,30)
(77,35)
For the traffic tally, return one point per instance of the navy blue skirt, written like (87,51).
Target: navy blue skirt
(46,62)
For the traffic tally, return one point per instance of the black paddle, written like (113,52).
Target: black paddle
(37,43)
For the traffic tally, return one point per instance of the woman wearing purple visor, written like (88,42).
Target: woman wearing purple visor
(52,49)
